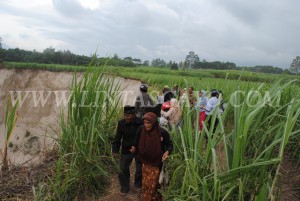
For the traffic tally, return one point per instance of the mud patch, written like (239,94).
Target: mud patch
(32,146)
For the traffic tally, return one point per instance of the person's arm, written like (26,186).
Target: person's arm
(137,103)
(117,140)
(167,114)
(198,104)
(167,143)
(151,101)
(136,141)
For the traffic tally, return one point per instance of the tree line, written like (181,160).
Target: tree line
(192,61)
(65,57)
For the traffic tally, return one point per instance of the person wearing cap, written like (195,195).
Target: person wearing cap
(153,146)
(143,101)
(175,90)
(125,138)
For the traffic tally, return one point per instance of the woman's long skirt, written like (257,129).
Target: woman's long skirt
(150,183)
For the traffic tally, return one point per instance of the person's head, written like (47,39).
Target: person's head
(129,113)
(174,102)
(202,93)
(166,106)
(191,90)
(175,87)
(166,88)
(214,93)
(150,120)
(144,88)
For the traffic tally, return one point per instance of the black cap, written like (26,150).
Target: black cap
(129,109)
(143,88)
(214,92)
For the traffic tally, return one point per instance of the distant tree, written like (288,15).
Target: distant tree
(266,69)
(49,55)
(170,63)
(116,56)
(295,66)
(181,64)
(137,61)
(191,59)
(0,43)
(174,66)
(158,62)
(128,58)
(146,63)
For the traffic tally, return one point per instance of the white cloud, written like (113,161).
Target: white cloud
(91,4)
(247,33)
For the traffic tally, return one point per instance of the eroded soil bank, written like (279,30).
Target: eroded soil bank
(42,95)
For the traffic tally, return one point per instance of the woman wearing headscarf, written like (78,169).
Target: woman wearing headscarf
(201,103)
(153,145)
(173,114)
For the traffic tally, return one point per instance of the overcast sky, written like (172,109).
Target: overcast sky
(256,32)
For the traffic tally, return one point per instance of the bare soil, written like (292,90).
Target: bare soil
(38,122)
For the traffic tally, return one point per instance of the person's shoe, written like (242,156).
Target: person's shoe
(134,191)
(123,194)
(137,186)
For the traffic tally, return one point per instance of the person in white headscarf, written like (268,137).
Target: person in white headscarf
(173,114)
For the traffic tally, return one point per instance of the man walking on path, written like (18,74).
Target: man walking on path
(125,138)
(143,102)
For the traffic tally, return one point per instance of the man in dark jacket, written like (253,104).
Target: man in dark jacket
(125,138)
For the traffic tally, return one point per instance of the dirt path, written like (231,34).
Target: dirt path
(290,180)
(114,189)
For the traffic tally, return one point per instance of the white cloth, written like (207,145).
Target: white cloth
(163,121)
(160,99)
(211,104)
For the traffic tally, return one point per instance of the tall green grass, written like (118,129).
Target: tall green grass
(241,164)
(9,123)
(84,153)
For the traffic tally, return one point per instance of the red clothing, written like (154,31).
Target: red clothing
(202,117)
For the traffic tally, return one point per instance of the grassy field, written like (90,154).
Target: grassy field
(156,75)
(241,160)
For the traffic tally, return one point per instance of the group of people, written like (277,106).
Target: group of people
(206,106)
(142,135)
(146,142)
(167,108)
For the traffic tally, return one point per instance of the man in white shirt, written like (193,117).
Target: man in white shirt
(210,106)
